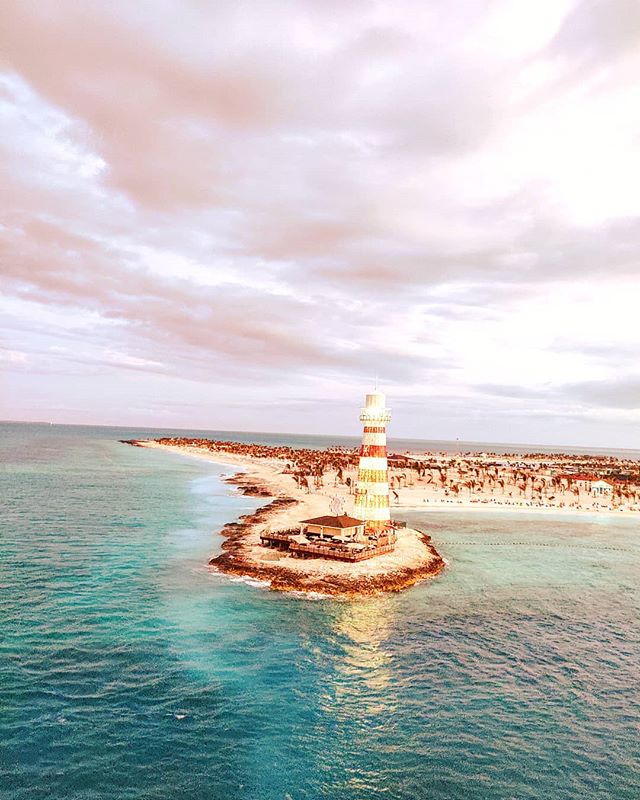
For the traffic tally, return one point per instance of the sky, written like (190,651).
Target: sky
(232,215)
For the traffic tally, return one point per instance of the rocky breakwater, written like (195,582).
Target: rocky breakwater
(243,555)
(248,486)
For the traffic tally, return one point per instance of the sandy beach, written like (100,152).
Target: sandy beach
(442,483)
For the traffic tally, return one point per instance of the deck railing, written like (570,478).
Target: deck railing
(325,549)
(278,536)
(339,553)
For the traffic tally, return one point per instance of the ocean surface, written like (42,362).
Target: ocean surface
(127,670)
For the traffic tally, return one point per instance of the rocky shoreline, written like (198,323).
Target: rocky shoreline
(286,502)
(234,561)
(248,486)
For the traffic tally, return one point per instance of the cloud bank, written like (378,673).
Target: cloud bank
(233,215)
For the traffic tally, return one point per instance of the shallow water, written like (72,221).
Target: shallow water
(128,670)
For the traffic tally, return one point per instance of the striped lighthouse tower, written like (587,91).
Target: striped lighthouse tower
(372,491)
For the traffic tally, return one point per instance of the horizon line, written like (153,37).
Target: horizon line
(310,435)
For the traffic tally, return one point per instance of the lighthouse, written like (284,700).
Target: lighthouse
(372,491)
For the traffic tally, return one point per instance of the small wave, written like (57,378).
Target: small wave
(301,595)
(258,584)
(264,584)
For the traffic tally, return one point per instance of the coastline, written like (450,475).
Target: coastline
(415,558)
(413,499)
(503,508)
(312,579)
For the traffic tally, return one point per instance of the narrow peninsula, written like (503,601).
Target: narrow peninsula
(303,541)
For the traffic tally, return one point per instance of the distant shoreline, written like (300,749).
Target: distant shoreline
(448,481)
(417,445)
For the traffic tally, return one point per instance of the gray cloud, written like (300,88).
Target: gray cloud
(513,392)
(185,324)
(595,31)
(623,393)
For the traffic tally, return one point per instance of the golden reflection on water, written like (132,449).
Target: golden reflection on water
(362,677)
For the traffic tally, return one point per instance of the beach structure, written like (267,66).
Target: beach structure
(372,490)
(582,481)
(336,538)
(600,488)
(342,527)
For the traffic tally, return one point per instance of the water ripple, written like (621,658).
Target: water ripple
(127,670)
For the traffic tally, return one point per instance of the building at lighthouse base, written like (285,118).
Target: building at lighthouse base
(342,538)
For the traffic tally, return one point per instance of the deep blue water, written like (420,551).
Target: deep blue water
(128,670)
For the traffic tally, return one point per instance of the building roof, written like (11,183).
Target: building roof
(343,521)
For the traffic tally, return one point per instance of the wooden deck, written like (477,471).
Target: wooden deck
(282,540)
(337,552)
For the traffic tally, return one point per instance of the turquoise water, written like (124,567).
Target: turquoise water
(127,670)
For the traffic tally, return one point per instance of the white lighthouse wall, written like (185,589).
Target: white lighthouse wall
(373,462)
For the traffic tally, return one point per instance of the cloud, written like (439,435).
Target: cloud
(295,197)
(180,322)
(623,393)
(594,31)
(515,392)
(614,393)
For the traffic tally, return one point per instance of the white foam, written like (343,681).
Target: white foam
(249,580)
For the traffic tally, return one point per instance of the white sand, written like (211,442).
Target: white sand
(421,496)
